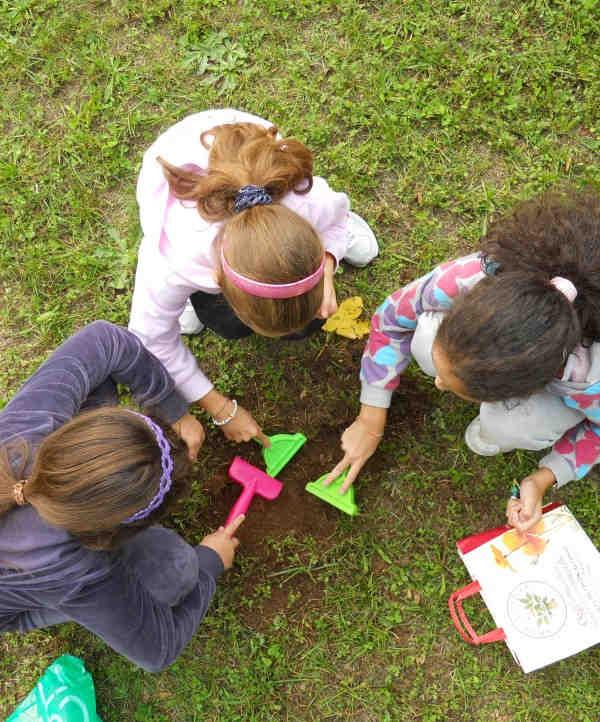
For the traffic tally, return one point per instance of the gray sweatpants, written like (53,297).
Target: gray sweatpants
(534,423)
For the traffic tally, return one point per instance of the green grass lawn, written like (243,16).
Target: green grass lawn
(432,116)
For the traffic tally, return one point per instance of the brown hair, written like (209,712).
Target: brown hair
(94,472)
(268,243)
(512,333)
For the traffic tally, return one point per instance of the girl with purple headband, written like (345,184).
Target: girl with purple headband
(515,328)
(83,484)
(237,227)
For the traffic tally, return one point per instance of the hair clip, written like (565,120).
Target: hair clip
(566,287)
(489,266)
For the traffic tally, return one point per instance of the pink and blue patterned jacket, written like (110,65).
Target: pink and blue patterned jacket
(387,354)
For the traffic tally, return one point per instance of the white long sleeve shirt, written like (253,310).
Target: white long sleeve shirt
(176,255)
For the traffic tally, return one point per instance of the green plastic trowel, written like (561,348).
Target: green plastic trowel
(331,494)
(283,448)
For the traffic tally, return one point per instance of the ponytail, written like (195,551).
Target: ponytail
(92,473)
(13,459)
(269,242)
(511,335)
(555,234)
(242,154)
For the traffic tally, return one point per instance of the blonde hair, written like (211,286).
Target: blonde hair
(267,243)
(92,473)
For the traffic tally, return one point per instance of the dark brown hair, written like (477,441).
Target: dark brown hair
(94,472)
(268,243)
(512,333)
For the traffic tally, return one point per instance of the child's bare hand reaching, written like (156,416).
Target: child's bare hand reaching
(243,427)
(359,442)
(235,422)
(525,512)
(224,542)
(191,431)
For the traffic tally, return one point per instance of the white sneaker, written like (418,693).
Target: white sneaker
(189,323)
(363,246)
(476,443)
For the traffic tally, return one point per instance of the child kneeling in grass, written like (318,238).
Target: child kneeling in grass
(237,227)
(514,327)
(82,485)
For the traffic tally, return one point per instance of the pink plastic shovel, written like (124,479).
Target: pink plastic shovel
(254,482)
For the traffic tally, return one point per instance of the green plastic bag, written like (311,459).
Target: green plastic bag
(64,693)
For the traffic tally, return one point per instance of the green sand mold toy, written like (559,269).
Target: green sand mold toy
(282,450)
(331,494)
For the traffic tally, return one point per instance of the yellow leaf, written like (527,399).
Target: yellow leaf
(362,328)
(345,321)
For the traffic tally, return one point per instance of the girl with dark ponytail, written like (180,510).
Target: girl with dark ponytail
(514,327)
(82,485)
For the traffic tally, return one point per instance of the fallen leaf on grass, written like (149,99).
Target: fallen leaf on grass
(345,321)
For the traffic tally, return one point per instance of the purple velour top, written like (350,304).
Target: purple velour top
(43,567)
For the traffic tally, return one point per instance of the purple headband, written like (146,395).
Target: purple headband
(166,480)
(272,290)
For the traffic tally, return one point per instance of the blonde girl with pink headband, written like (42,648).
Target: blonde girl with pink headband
(239,237)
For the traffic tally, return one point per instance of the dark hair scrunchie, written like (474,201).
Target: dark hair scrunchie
(250,196)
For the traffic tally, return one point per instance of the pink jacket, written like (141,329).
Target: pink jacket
(176,253)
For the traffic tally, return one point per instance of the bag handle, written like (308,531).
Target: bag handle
(461,621)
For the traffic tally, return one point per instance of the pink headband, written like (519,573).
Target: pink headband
(272,290)
(565,287)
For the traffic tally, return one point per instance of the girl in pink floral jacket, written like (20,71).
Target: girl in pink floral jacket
(514,327)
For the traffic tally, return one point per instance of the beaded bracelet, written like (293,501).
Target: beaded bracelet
(229,418)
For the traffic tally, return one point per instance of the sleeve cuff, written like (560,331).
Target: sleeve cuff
(336,244)
(336,259)
(375,396)
(172,408)
(209,561)
(559,466)
(195,387)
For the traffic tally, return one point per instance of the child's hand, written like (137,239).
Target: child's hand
(224,542)
(329,303)
(191,431)
(243,427)
(524,513)
(359,442)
